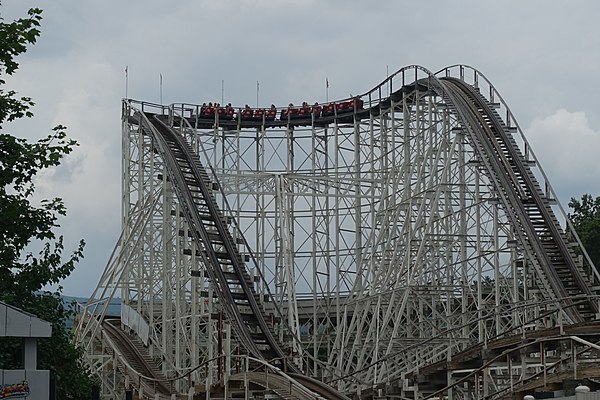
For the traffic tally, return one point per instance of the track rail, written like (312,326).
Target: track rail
(525,197)
(227,268)
(136,360)
(215,245)
(317,386)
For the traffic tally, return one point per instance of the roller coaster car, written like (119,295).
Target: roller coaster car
(303,112)
(247,114)
(271,114)
(258,113)
(328,110)
(342,107)
(225,113)
(349,106)
(207,112)
(290,113)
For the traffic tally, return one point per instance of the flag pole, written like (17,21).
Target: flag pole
(126,80)
(327,90)
(161,89)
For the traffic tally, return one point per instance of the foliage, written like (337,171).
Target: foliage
(586,220)
(23,274)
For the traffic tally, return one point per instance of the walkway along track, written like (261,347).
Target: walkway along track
(525,197)
(471,361)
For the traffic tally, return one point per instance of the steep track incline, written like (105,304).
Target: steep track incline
(218,250)
(527,200)
(215,245)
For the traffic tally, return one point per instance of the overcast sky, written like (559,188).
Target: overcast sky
(543,56)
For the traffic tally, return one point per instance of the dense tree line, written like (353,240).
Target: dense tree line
(586,220)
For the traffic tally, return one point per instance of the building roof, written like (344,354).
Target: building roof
(15,322)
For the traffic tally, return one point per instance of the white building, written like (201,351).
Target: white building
(29,383)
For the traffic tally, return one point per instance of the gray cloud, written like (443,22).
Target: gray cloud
(567,148)
(541,55)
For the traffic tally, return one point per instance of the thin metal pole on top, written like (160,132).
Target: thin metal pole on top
(126,80)
(161,89)
(257,88)
(387,75)
(222,91)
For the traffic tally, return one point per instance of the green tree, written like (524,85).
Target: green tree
(586,220)
(26,224)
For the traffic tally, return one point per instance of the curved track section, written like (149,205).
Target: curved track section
(461,161)
(138,366)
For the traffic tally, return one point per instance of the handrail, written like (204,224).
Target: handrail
(509,351)
(278,371)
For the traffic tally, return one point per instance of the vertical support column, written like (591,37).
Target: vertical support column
(179,301)
(497,281)
(462,187)
(162,274)
(335,210)
(261,213)
(478,263)
(285,258)
(126,145)
(30,353)
(317,156)
(358,192)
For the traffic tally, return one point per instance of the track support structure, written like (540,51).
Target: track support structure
(411,246)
